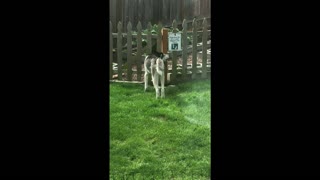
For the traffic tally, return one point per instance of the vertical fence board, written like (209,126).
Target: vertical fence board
(112,11)
(129,52)
(174,56)
(204,49)
(165,12)
(164,49)
(149,45)
(110,52)
(159,38)
(119,12)
(184,49)
(149,40)
(125,15)
(119,50)
(139,51)
(194,49)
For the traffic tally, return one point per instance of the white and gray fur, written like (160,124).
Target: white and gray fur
(155,66)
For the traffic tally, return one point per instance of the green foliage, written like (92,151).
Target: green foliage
(160,136)
(189,38)
(154,30)
(177,30)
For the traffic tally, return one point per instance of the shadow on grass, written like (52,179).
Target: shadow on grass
(172,92)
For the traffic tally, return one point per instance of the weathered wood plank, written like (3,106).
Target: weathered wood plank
(119,51)
(184,49)
(125,14)
(112,11)
(110,51)
(119,12)
(129,51)
(194,50)
(164,49)
(174,57)
(139,51)
(204,49)
(149,41)
(159,37)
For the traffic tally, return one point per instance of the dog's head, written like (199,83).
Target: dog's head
(164,56)
(161,55)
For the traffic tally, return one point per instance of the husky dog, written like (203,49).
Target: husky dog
(155,66)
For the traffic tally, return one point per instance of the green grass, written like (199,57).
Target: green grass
(152,137)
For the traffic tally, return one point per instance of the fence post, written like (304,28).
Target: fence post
(194,49)
(164,49)
(184,49)
(139,51)
(110,52)
(204,49)
(174,57)
(164,45)
(119,50)
(129,52)
(149,47)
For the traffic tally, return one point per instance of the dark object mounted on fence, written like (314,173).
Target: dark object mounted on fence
(164,45)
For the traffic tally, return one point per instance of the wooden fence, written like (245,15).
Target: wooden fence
(155,11)
(126,62)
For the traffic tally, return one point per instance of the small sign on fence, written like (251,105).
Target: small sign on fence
(174,40)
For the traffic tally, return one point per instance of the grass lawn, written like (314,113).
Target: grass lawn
(161,138)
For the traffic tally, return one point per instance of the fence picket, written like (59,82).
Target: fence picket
(119,50)
(110,52)
(174,56)
(129,52)
(184,49)
(159,37)
(194,49)
(204,49)
(149,40)
(139,51)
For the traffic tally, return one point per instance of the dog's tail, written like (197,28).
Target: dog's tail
(160,66)
(145,64)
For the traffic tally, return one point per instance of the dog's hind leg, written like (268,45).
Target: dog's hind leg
(145,81)
(159,67)
(162,86)
(156,84)
(145,64)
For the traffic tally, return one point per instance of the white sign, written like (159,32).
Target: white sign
(174,40)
